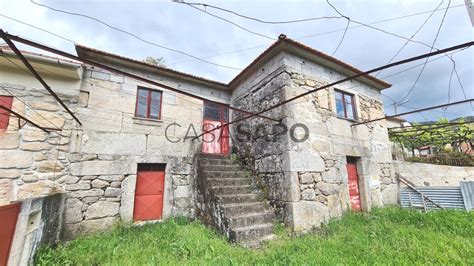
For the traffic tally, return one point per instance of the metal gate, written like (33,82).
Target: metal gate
(8,219)
(446,197)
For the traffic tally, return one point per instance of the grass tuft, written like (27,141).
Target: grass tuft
(388,235)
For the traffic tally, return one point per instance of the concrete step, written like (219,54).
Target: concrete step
(256,242)
(239,209)
(249,219)
(237,198)
(251,232)
(223,168)
(210,161)
(221,174)
(229,181)
(228,190)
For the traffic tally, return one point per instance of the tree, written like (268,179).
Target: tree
(157,61)
(438,135)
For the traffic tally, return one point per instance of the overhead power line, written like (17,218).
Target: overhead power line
(36,75)
(426,60)
(257,19)
(120,72)
(45,129)
(415,111)
(452,48)
(133,35)
(412,36)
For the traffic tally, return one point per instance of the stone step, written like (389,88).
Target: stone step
(229,181)
(222,168)
(213,156)
(208,161)
(239,209)
(237,198)
(256,242)
(251,232)
(249,219)
(221,174)
(228,190)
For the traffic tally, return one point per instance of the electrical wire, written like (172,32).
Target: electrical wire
(256,19)
(426,60)
(133,35)
(28,73)
(412,36)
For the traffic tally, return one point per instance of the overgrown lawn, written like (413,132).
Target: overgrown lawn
(384,236)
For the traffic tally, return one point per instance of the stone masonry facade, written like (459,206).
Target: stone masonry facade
(96,164)
(307,181)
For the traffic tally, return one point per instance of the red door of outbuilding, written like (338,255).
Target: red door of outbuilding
(217,141)
(8,218)
(149,192)
(354,193)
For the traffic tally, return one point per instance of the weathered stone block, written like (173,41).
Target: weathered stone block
(102,209)
(303,161)
(390,194)
(39,188)
(10,173)
(82,185)
(15,159)
(308,194)
(306,178)
(73,211)
(182,192)
(97,183)
(50,166)
(113,143)
(52,118)
(9,141)
(44,106)
(305,215)
(86,193)
(112,192)
(102,168)
(29,178)
(327,188)
(180,180)
(35,146)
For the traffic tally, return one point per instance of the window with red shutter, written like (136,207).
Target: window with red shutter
(5,101)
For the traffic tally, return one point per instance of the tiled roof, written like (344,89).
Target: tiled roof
(282,43)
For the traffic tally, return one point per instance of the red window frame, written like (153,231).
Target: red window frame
(344,104)
(148,103)
(5,101)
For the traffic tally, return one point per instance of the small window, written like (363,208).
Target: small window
(5,101)
(148,103)
(345,105)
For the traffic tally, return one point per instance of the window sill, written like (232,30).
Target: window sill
(147,122)
(348,119)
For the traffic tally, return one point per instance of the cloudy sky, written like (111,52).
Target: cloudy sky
(186,29)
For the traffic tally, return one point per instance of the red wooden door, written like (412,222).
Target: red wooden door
(5,101)
(149,193)
(354,194)
(217,141)
(8,218)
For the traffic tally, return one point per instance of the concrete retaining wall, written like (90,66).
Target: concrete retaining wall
(424,174)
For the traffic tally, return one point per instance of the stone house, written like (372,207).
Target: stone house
(133,160)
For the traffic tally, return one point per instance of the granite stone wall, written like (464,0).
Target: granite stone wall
(306,181)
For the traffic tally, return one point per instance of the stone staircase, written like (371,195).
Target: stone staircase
(233,203)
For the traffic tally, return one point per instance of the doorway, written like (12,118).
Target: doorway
(353,184)
(217,141)
(149,192)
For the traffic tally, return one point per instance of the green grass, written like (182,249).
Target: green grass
(384,236)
